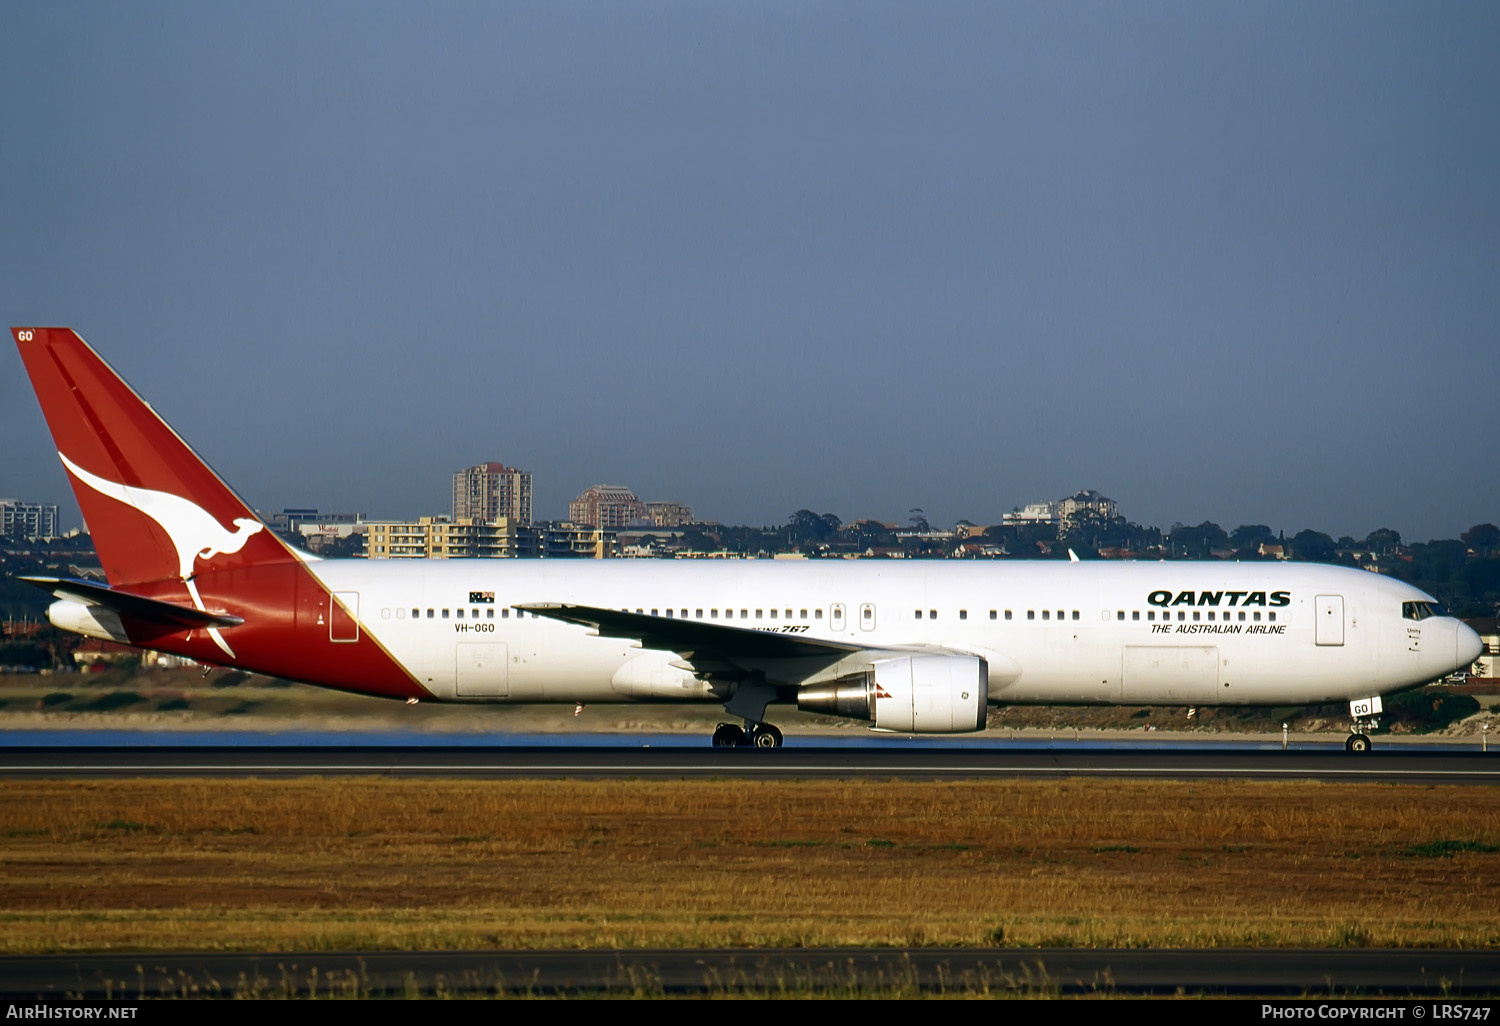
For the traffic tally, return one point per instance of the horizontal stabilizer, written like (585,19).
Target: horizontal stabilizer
(136,607)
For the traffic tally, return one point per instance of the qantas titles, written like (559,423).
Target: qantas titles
(1214,598)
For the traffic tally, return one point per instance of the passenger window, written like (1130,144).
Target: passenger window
(1120,615)
(817,614)
(992,614)
(932,614)
(1046,614)
(713,614)
(1135,614)
(697,614)
(1031,614)
(460,614)
(505,613)
(802,614)
(1075,614)
(1007,614)
(1195,615)
(430,614)
(919,614)
(963,614)
(445,614)
(758,614)
(489,614)
(1271,617)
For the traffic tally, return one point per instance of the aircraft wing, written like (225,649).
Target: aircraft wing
(694,640)
(136,607)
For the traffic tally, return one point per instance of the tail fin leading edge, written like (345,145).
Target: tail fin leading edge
(155,509)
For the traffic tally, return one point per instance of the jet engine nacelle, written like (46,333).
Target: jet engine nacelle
(927,694)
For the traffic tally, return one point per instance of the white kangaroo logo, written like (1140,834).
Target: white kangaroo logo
(194,532)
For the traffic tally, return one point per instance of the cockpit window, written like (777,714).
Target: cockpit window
(1420,610)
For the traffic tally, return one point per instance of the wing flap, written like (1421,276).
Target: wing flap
(695,641)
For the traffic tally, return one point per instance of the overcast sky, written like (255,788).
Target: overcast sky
(1237,262)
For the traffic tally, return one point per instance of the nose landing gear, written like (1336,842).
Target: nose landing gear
(1363,712)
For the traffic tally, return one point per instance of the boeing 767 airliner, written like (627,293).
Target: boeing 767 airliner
(915,646)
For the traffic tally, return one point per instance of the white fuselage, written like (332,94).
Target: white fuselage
(1050,632)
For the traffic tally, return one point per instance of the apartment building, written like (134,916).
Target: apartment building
(28,519)
(492,491)
(606,506)
(502,538)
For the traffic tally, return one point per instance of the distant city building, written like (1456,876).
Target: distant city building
(669,514)
(318,533)
(1108,509)
(502,538)
(28,519)
(288,520)
(1056,512)
(1487,666)
(1036,513)
(306,526)
(606,506)
(491,491)
(295,521)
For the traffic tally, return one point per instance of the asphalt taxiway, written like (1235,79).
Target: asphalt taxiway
(1396,765)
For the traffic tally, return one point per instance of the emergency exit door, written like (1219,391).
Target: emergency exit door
(343,616)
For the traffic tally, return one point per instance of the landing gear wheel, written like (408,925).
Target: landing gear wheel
(727,735)
(766,736)
(1357,743)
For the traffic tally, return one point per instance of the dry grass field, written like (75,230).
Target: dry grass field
(338,864)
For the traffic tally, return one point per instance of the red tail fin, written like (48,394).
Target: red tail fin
(155,509)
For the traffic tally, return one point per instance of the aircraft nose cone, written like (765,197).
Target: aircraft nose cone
(1467,647)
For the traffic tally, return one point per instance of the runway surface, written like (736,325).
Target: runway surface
(1394,765)
(1299,972)
(1335,973)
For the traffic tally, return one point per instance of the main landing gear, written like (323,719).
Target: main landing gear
(748,701)
(758,735)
